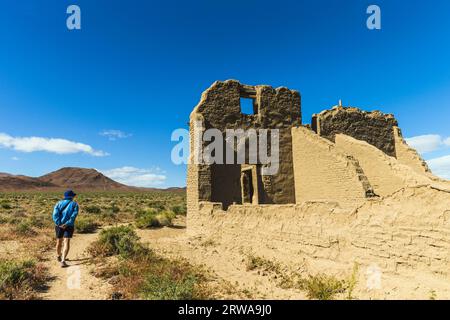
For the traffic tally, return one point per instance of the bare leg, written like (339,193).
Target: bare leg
(66,248)
(59,246)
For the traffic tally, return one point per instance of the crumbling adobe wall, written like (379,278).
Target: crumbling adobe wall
(323,173)
(220,108)
(407,155)
(385,174)
(375,127)
(406,235)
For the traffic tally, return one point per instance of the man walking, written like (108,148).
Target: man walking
(64,215)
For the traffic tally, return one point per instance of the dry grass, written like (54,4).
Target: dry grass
(319,287)
(322,287)
(29,214)
(142,274)
(154,218)
(21,280)
(26,218)
(259,263)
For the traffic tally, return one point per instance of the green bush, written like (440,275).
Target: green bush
(157,205)
(179,209)
(322,287)
(93,209)
(39,221)
(255,263)
(20,279)
(121,240)
(86,225)
(166,287)
(24,228)
(5,205)
(3,219)
(151,218)
(114,209)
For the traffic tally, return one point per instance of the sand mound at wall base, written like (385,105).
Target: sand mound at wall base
(405,237)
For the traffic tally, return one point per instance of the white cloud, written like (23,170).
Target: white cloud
(136,177)
(15,158)
(440,166)
(115,134)
(58,146)
(447,142)
(428,143)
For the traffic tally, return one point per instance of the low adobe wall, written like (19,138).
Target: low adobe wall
(406,235)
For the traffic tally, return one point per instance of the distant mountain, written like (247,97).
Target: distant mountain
(82,179)
(9,182)
(79,179)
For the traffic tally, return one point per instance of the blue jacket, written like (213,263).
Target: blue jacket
(69,214)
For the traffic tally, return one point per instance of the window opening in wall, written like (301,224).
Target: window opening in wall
(248,106)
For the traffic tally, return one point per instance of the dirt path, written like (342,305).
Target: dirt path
(75,282)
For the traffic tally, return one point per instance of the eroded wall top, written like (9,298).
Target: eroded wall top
(376,128)
(220,106)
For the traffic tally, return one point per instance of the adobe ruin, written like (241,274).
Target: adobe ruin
(311,165)
(349,191)
(220,108)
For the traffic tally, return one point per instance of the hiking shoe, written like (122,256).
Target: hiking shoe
(64,264)
(58,258)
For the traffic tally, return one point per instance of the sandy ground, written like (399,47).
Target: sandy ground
(228,269)
(75,282)
(226,261)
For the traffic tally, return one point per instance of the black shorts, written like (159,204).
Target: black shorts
(64,233)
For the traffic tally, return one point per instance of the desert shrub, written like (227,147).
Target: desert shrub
(146,218)
(352,282)
(151,218)
(39,221)
(171,279)
(20,279)
(114,208)
(165,287)
(322,287)
(93,209)
(179,209)
(5,204)
(433,295)
(14,220)
(86,225)
(121,240)
(255,262)
(3,220)
(153,277)
(157,204)
(108,216)
(25,228)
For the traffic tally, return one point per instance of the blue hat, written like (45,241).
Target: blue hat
(69,194)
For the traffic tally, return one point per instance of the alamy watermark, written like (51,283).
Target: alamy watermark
(73,278)
(73,21)
(373,277)
(234,146)
(374,20)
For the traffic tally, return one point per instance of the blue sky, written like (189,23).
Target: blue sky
(139,67)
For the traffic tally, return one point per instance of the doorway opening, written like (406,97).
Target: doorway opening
(247,186)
